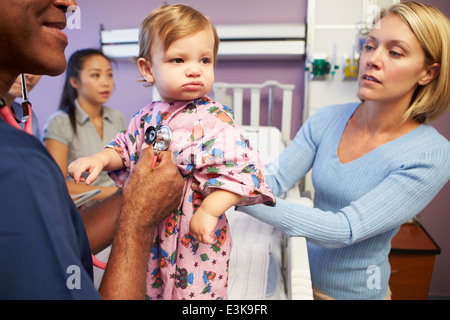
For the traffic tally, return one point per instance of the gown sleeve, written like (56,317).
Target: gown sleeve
(223,158)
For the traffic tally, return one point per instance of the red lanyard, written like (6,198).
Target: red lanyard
(11,119)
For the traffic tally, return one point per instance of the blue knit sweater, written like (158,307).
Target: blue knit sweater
(358,206)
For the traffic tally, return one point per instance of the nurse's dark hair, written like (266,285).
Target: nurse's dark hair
(69,93)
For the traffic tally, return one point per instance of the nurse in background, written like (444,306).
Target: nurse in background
(84,125)
(16,92)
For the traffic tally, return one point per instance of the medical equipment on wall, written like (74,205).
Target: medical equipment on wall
(11,118)
(350,70)
(363,30)
(319,68)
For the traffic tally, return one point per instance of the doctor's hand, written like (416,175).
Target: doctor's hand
(149,195)
(153,193)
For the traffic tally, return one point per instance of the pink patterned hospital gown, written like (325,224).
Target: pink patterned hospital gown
(209,147)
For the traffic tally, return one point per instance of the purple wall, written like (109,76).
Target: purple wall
(130,96)
(436,216)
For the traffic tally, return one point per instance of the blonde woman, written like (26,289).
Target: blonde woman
(376,163)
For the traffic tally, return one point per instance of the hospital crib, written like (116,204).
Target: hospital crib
(264,264)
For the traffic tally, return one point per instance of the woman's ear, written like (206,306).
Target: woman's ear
(75,83)
(431,73)
(145,67)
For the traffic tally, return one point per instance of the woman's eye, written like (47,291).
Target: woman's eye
(395,53)
(368,47)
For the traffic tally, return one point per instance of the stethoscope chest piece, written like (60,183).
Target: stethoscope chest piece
(160,139)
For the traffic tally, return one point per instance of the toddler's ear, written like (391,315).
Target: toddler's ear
(145,67)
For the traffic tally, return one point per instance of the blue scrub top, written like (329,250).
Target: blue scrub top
(44,250)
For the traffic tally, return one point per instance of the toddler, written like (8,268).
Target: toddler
(189,260)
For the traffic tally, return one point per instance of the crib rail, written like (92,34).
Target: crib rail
(237,101)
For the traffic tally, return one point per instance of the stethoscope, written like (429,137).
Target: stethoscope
(11,118)
(160,140)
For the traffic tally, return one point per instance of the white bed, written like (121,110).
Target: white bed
(264,264)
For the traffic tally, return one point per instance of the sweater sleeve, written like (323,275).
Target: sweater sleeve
(297,159)
(399,196)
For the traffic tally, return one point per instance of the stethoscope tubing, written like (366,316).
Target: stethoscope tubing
(9,117)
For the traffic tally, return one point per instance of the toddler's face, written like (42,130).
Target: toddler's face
(186,70)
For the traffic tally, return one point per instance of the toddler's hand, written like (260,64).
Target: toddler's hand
(94,165)
(202,226)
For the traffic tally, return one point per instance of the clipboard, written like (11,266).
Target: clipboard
(84,197)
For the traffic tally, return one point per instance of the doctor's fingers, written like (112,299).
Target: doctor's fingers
(147,153)
(166,158)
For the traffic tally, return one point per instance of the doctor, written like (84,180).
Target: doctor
(376,163)
(44,245)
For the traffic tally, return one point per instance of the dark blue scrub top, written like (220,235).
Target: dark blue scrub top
(44,250)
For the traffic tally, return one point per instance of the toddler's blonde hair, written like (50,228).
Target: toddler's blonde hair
(169,23)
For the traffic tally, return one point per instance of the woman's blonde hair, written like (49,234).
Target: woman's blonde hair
(169,23)
(432,28)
